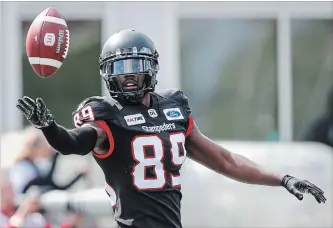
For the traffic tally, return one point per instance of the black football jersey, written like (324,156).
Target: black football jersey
(147,150)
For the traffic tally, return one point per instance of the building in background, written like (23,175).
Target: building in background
(252,71)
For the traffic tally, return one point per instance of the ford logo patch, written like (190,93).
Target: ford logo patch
(173,113)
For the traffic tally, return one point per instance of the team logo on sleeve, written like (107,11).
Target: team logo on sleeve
(134,119)
(152,113)
(173,114)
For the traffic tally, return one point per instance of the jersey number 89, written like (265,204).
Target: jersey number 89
(139,144)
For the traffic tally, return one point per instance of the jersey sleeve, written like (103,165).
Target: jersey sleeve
(182,100)
(95,109)
(185,103)
(100,110)
(188,113)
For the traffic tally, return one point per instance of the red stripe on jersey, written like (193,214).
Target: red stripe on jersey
(108,132)
(190,126)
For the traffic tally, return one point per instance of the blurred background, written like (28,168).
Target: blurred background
(259,79)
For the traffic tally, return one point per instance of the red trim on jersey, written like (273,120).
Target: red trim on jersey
(108,132)
(190,126)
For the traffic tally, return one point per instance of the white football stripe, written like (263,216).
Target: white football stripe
(55,20)
(51,19)
(45,61)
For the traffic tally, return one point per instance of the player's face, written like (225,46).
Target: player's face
(131,82)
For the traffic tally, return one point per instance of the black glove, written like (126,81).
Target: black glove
(297,187)
(35,112)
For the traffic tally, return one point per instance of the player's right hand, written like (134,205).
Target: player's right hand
(297,187)
(35,111)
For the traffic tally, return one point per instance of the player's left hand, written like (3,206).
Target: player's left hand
(296,187)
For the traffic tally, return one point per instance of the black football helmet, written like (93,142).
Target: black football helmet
(129,52)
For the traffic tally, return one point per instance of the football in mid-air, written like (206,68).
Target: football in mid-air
(47,42)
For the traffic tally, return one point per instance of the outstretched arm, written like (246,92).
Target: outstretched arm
(80,140)
(205,151)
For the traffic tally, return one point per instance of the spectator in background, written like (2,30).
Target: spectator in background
(321,130)
(25,216)
(35,165)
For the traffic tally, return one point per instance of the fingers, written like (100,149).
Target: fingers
(319,197)
(26,105)
(30,102)
(314,187)
(316,192)
(40,103)
(41,106)
(22,106)
(311,190)
(296,193)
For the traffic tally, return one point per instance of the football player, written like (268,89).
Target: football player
(140,138)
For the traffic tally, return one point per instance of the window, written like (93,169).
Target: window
(312,61)
(228,71)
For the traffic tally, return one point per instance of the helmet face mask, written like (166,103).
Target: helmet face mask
(129,65)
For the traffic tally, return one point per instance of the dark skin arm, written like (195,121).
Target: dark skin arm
(235,166)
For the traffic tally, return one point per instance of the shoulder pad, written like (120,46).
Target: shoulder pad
(177,96)
(100,100)
(95,108)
